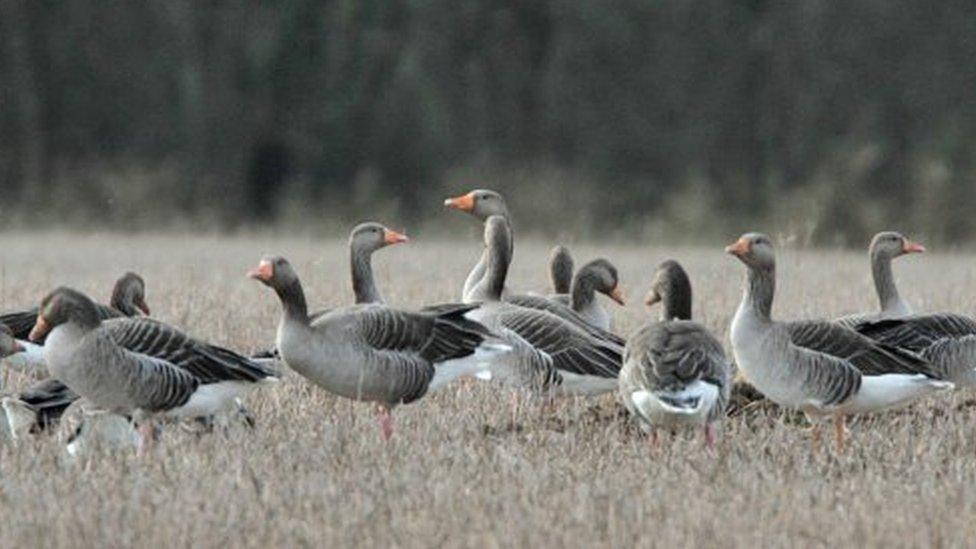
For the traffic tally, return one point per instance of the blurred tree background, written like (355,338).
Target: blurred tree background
(822,119)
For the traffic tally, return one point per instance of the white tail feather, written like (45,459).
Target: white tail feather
(479,364)
(660,407)
(891,391)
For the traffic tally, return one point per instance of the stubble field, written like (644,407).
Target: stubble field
(458,472)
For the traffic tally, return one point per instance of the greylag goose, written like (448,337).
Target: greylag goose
(548,352)
(812,375)
(365,239)
(8,343)
(885,246)
(372,352)
(947,340)
(675,372)
(561,268)
(128,300)
(139,367)
(481,204)
(598,275)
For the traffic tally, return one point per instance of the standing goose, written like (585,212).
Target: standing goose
(481,204)
(810,375)
(89,359)
(598,275)
(374,353)
(885,246)
(128,300)
(548,352)
(675,372)
(561,268)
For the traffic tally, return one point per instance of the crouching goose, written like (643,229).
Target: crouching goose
(675,372)
(885,246)
(139,367)
(600,276)
(807,373)
(374,353)
(561,268)
(482,204)
(128,300)
(549,353)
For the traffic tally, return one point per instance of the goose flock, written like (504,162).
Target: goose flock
(135,374)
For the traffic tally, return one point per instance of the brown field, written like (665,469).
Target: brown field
(457,473)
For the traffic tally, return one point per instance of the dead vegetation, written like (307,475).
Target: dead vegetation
(459,471)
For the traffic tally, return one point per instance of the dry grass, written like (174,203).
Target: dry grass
(457,473)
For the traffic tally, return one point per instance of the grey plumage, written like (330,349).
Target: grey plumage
(947,340)
(372,352)
(561,268)
(885,247)
(674,370)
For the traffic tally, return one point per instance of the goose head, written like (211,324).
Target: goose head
(369,237)
(755,250)
(672,287)
(602,275)
(62,306)
(481,203)
(891,244)
(129,295)
(8,344)
(274,272)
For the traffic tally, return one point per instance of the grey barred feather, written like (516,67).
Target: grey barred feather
(945,339)
(868,356)
(566,313)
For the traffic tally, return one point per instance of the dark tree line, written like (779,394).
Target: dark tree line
(829,118)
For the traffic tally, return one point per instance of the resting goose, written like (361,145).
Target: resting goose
(481,204)
(675,372)
(598,275)
(561,270)
(812,376)
(128,300)
(374,353)
(885,246)
(139,367)
(548,352)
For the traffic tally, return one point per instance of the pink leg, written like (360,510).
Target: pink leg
(654,442)
(147,436)
(385,419)
(515,408)
(709,435)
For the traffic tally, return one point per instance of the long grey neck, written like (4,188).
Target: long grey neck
(363,283)
(499,258)
(86,317)
(884,283)
(676,304)
(584,291)
(760,287)
(293,302)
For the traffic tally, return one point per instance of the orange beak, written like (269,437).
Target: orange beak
(652,298)
(464,203)
(913,247)
(264,272)
(141,305)
(740,248)
(617,295)
(393,237)
(41,328)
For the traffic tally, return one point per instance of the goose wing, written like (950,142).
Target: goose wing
(918,332)
(868,356)
(565,313)
(572,349)
(208,363)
